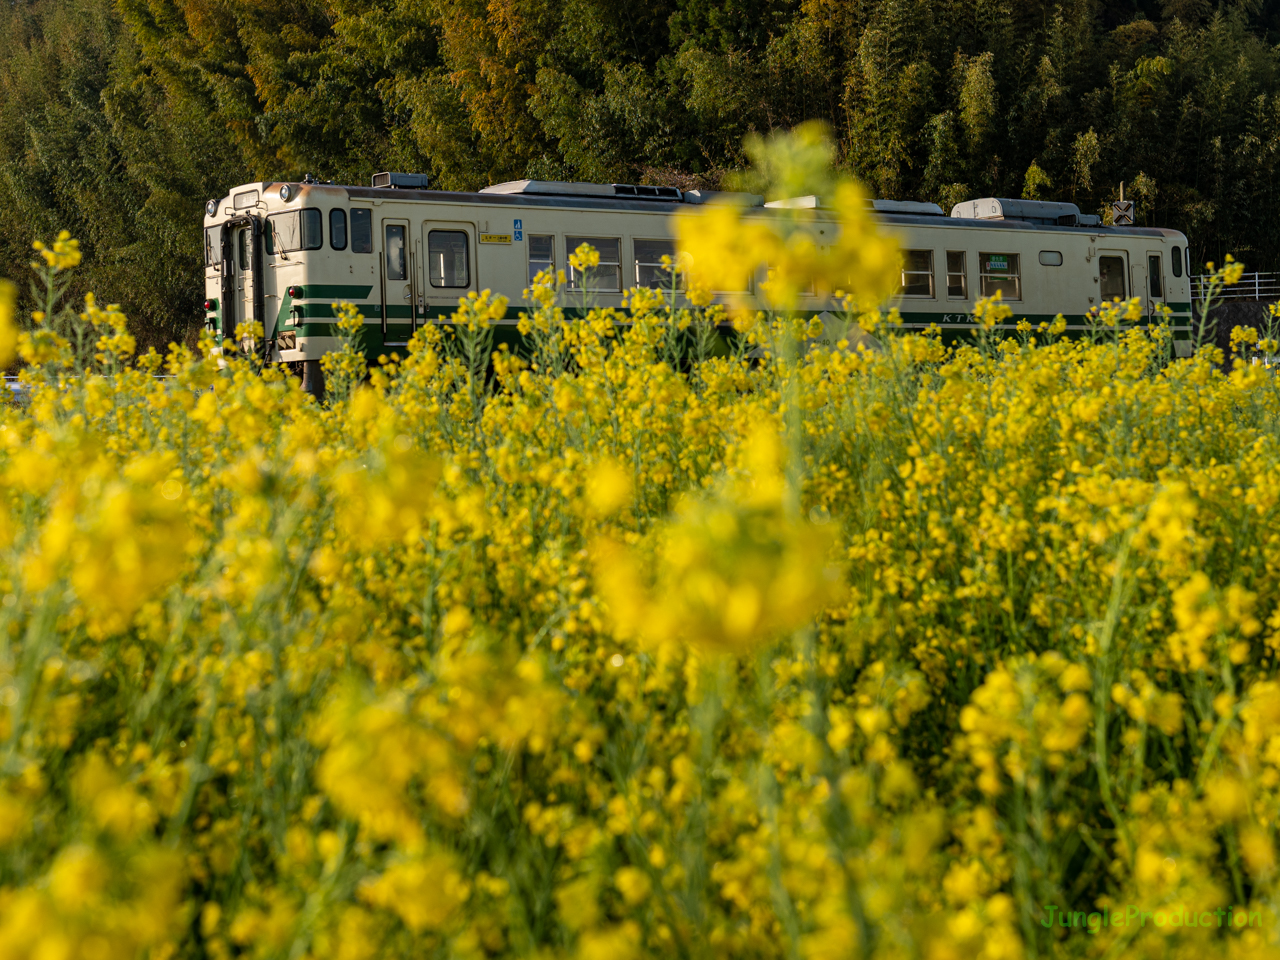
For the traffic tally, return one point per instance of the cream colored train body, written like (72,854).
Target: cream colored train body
(286,253)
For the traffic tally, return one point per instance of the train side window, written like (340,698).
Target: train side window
(1188,256)
(607,276)
(917,273)
(212,245)
(242,247)
(542,255)
(396,269)
(767,273)
(361,230)
(1000,273)
(1155,278)
(1051,258)
(338,228)
(447,253)
(957,276)
(268,237)
(649,269)
(1111,278)
(1175,261)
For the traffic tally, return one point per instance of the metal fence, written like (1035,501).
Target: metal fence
(1252,286)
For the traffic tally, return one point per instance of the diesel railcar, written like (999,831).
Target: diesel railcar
(285,253)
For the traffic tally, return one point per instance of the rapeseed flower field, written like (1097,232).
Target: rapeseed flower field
(631,647)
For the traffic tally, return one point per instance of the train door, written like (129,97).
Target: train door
(450,267)
(1154,289)
(1113,275)
(1138,281)
(243,306)
(396,282)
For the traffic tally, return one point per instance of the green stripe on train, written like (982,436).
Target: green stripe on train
(322,311)
(334,291)
(318,322)
(283,316)
(394,330)
(1075,322)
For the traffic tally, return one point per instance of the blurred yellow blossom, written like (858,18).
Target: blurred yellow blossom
(62,254)
(649,638)
(726,244)
(8,323)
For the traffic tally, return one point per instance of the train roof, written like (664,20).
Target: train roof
(988,213)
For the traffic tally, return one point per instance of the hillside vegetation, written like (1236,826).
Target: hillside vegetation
(926,652)
(117,120)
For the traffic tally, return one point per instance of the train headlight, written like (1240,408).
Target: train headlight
(211,208)
(286,192)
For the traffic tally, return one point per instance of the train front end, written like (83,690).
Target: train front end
(263,252)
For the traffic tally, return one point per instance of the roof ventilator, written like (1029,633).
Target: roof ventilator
(621,191)
(1044,213)
(814,202)
(559,188)
(401,181)
(1080,220)
(645,193)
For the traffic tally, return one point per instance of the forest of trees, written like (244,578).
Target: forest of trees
(119,118)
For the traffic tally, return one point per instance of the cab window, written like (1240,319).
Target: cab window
(297,230)
(312,230)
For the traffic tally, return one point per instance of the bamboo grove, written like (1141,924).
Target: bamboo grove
(118,119)
(629,646)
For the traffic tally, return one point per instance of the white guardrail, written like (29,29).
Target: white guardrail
(1252,286)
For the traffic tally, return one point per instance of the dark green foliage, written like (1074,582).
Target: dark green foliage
(118,121)
(89,142)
